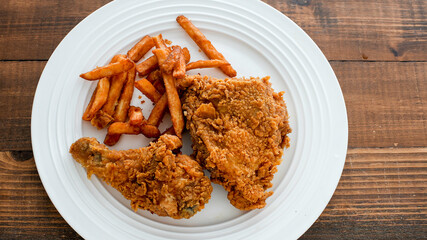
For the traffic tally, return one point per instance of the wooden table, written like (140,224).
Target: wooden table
(378,50)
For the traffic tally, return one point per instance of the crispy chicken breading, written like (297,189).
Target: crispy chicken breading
(239,129)
(153,178)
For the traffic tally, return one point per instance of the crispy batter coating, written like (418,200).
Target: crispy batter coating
(239,128)
(153,178)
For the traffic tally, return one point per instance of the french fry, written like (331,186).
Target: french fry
(158,84)
(111,139)
(147,66)
(149,131)
(170,131)
(98,99)
(117,57)
(206,64)
(158,111)
(204,44)
(141,48)
(136,117)
(151,63)
(101,119)
(117,83)
(118,128)
(187,55)
(159,42)
(122,65)
(154,76)
(148,90)
(122,107)
(161,55)
(174,102)
(125,98)
(169,64)
(178,75)
(180,68)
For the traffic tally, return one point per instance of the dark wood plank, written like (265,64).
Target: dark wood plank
(390,30)
(386,102)
(26,211)
(32,29)
(18,82)
(382,194)
(387,30)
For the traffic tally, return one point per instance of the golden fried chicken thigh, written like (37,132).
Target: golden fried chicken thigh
(153,178)
(239,129)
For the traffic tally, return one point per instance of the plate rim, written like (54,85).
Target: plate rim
(37,98)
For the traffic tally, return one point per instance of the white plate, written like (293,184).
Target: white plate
(258,41)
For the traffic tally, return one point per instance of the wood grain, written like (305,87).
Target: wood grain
(26,211)
(18,84)
(386,102)
(31,30)
(382,195)
(389,30)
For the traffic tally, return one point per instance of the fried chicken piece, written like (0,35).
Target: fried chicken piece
(239,129)
(153,178)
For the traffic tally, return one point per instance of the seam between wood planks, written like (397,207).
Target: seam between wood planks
(387,150)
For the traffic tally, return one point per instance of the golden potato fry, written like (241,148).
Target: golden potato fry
(147,66)
(122,65)
(111,139)
(180,68)
(148,90)
(101,119)
(158,111)
(151,63)
(116,86)
(161,55)
(180,83)
(136,117)
(170,131)
(169,64)
(118,128)
(98,99)
(174,102)
(154,76)
(204,44)
(149,131)
(141,48)
(158,84)
(206,64)
(117,57)
(125,98)
(104,116)
(159,42)
(187,55)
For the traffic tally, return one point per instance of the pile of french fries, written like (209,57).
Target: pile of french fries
(161,75)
